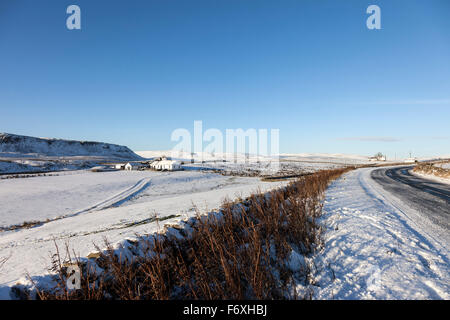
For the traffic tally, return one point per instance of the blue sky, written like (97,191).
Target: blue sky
(140,69)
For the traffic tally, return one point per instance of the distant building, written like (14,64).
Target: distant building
(169,165)
(132,166)
(410,160)
(378,158)
(119,166)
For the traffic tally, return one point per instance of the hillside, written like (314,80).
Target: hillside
(17,145)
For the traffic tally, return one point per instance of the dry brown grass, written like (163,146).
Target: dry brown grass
(24,225)
(241,252)
(432,169)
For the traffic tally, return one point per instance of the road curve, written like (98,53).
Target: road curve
(428,197)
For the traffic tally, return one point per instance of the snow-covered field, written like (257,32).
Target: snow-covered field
(346,159)
(299,157)
(48,197)
(240,164)
(263,168)
(116,205)
(377,247)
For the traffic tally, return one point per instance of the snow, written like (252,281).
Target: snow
(48,197)
(301,157)
(431,177)
(443,165)
(263,168)
(326,157)
(22,154)
(17,145)
(11,166)
(93,205)
(48,165)
(377,247)
(252,165)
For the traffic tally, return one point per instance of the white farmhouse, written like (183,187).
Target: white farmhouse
(169,165)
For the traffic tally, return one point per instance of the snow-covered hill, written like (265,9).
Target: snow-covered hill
(21,146)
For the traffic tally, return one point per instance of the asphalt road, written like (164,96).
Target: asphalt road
(429,197)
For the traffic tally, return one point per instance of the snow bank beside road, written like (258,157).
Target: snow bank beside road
(434,171)
(377,248)
(431,177)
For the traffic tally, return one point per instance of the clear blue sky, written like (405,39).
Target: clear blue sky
(139,69)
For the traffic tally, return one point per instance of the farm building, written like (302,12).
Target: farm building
(132,166)
(169,165)
(411,160)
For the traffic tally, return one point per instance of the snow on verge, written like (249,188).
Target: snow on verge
(430,177)
(373,248)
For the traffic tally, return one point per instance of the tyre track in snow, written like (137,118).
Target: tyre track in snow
(114,201)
